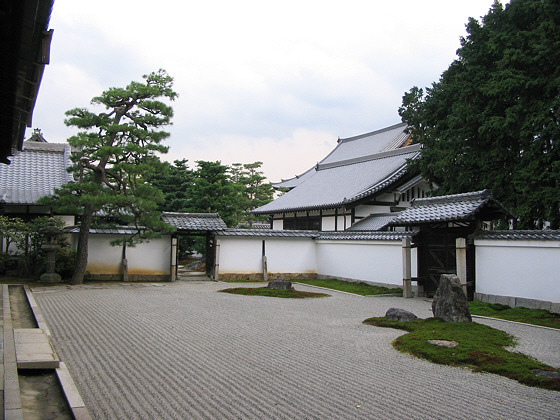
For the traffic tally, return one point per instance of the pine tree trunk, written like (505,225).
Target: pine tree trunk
(82,257)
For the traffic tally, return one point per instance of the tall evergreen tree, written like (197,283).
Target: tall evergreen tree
(112,155)
(253,190)
(213,191)
(492,120)
(174,181)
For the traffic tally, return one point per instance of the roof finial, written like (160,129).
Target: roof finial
(37,136)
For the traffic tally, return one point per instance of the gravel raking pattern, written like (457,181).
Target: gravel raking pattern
(182,350)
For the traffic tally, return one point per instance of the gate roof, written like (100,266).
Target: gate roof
(479,205)
(194,221)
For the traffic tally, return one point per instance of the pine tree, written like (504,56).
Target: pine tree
(113,153)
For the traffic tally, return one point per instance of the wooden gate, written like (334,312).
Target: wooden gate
(437,255)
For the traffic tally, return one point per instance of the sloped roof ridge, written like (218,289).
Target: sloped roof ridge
(294,177)
(375,156)
(519,234)
(44,147)
(451,198)
(365,235)
(380,185)
(268,233)
(382,130)
(178,213)
(340,142)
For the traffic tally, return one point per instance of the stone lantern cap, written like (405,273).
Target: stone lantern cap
(51,231)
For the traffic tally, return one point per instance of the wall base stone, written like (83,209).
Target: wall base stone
(259,276)
(518,302)
(132,278)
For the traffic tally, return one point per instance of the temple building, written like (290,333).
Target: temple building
(361,185)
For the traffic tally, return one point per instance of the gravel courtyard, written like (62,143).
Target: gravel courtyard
(182,350)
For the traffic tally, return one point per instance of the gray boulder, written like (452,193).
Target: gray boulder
(280,285)
(546,374)
(450,302)
(396,314)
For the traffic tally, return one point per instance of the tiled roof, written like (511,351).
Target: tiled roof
(194,221)
(295,181)
(366,236)
(384,140)
(457,207)
(538,235)
(357,147)
(337,183)
(35,172)
(117,230)
(270,233)
(373,222)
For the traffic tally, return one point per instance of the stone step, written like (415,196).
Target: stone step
(34,349)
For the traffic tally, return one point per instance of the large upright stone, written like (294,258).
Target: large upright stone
(450,302)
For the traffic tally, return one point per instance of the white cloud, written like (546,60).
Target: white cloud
(282,157)
(276,82)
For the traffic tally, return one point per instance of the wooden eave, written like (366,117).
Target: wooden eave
(24,51)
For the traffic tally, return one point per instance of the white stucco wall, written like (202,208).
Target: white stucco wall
(518,268)
(328,223)
(277,224)
(284,255)
(147,258)
(371,261)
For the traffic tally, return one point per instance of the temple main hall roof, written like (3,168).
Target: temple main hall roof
(356,168)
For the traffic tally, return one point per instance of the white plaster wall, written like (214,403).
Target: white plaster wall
(284,255)
(240,255)
(278,224)
(152,257)
(527,269)
(328,223)
(364,211)
(296,255)
(344,222)
(373,261)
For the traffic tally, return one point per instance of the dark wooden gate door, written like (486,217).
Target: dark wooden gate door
(437,255)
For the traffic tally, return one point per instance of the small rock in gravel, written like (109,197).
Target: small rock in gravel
(546,373)
(443,343)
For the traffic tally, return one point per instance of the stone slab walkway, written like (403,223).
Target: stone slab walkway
(182,350)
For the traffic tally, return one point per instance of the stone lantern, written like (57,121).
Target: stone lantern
(50,246)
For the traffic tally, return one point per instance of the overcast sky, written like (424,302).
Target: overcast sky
(276,82)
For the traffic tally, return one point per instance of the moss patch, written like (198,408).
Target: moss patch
(528,316)
(264,291)
(481,348)
(358,288)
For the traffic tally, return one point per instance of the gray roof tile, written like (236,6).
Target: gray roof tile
(35,172)
(455,207)
(373,222)
(335,184)
(117,230)
(538,235)
(386,139)
(269,233)
(194,221)
(366,236)
(356,147)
